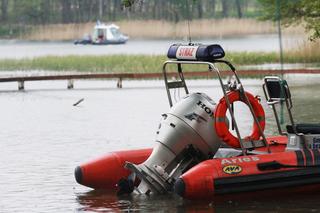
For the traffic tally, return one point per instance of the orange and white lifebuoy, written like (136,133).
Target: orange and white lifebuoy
(221,127)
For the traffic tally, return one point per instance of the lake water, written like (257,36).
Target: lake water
(23,49)
(44,137)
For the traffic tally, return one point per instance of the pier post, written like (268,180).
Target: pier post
(20,85)
(70,84)
(119,83)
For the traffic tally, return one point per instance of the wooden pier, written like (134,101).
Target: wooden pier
(120,76)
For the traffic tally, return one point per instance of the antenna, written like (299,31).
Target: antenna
(188,14)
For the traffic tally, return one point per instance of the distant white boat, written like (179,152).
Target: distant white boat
(104,34)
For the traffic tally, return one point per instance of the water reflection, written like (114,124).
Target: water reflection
(270,201)
(104,201)
(97,201)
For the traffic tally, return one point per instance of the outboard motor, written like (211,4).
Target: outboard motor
(185,137)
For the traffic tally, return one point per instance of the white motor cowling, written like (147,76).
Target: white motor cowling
(185,137)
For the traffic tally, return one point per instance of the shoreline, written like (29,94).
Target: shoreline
(18,40)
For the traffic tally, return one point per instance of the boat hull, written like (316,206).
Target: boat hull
(250,173)
(106,42)
(106,171)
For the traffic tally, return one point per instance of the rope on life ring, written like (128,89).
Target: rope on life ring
(221,127)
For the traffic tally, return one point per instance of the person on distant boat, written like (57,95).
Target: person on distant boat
(101,35)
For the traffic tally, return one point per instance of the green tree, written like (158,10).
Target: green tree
(293,12)
(27,11)
(4,10)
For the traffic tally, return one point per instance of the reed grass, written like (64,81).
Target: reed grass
(58,32)
(154,29)
(147,64)
(112,63)
(305,51)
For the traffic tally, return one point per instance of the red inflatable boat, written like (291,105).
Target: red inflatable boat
(200,152)
(105,172)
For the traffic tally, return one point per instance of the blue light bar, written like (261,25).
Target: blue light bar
(196,52)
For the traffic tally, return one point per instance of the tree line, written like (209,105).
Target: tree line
(77,11)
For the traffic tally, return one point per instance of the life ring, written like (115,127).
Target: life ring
(221,127)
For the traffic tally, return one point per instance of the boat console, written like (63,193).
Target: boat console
(300,135)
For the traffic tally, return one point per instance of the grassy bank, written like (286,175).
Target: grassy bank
(138,63)
(153,29)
